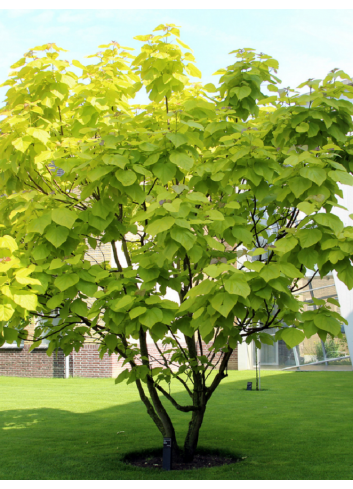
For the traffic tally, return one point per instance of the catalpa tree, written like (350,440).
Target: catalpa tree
(222,194)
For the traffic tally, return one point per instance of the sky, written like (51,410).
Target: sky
(307,43)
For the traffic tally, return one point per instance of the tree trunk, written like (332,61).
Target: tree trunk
(168,428)
(192,436)
(159,414)
(164,425)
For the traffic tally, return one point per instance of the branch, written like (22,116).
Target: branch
(274,222)
(187,261)
(38,187)
(215,365)
(44,180)
(116,258)
(185,385)
(177,376)
(126,252)
(212,354)
(179,345)
(293,218)
(152,186)
(161,354)
(184,409)
(48,335)
(62,132)
(220,376)
(255,222)
(160,412)
(309,282)
(167,109)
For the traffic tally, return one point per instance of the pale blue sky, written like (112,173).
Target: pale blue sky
(307,43)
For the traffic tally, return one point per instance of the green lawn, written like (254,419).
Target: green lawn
(300,427)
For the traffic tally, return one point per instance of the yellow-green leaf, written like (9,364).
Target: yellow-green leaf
(223,303)
(309,237)
(126,177)
(134,313)
(6,312)
(55,301)
(193,71)
(177,139)
(327,323)
(21,144)
(64,217)
(57,235)
(40,224)
(65,281)
(122,303)
(151,317)
(292,336)
(317,175)
(25,299)
(237,287)
(342,177)
(8,242)
(241,92)
(79,307)
(118,160)
(40,134)
(160,225)
(182,160)
(214,244)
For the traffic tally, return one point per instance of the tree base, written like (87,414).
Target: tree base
(152,459)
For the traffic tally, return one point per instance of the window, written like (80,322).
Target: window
(13,345)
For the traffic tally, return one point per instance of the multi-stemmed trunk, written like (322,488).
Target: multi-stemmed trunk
(165,426)
(200,395)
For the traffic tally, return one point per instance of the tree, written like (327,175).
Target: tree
(227,192)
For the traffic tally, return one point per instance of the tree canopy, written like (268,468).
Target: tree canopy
(218,192)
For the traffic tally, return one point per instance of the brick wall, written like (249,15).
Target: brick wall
(15,362)
(18,362)
(86,363)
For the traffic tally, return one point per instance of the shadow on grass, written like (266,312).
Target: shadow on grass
(312,412)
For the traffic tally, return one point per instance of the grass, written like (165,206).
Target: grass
(300,427)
